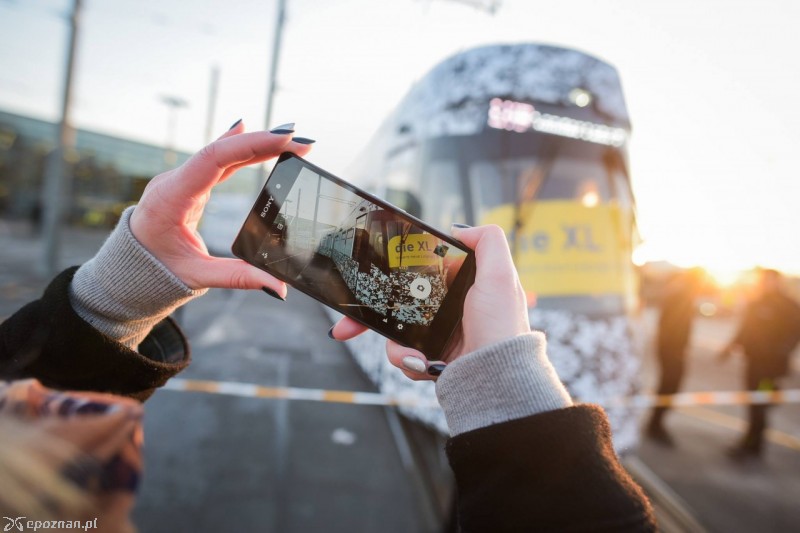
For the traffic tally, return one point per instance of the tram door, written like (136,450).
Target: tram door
(361,243)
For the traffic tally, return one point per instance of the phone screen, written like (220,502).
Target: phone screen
(357,254)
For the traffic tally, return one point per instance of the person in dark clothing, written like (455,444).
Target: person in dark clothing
(675,320)
(767,335)
(525,458)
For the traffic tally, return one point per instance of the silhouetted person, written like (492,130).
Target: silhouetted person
(767,335)
(674,329)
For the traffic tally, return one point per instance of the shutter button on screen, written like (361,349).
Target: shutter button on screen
(420,288)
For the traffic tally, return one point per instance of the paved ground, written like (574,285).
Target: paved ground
(219,464)
(216,463)
(727,496)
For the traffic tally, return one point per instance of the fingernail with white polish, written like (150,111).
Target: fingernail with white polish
(414,364)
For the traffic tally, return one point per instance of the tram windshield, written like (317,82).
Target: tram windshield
(519,180)
(522,183)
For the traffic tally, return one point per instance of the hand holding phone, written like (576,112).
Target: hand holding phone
(495,308)
(166,218)
(358,254)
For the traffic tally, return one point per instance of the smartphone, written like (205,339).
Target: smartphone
(359,255)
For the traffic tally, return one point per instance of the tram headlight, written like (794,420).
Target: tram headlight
(580,97)
(590,199)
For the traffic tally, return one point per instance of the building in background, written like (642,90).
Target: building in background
(109,172)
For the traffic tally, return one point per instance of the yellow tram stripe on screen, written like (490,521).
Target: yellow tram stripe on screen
(415,249)
(683,399)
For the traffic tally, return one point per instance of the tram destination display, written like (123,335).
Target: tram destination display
(358,254)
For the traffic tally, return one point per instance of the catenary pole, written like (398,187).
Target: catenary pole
(57,194)
(280,18)
(213,87)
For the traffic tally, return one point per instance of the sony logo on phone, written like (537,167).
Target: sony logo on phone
(266,207)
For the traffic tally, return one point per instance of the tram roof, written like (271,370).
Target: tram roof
(451,99)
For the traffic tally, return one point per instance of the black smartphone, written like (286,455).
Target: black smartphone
(357,254)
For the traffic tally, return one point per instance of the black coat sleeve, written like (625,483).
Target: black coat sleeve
(48,341)
(554,471)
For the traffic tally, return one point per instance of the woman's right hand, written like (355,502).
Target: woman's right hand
(495,308)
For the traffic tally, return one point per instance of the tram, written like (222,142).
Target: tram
(534,138)
(379,256)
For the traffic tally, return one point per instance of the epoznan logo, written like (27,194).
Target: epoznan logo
(14,522)
(35,525)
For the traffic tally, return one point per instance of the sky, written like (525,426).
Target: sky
(335,203)
(711,85)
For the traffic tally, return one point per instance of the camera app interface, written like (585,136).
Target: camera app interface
(352,253)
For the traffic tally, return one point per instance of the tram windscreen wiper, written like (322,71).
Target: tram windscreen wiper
(528,192)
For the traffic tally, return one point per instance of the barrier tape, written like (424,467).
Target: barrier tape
(248,390)
(683,399)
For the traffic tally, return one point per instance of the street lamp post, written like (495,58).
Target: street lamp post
(280,18)
(58,178)
(173,104)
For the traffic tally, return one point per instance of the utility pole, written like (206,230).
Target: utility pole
(280,18)
(212,103)
(57,191)
(173,103)
(490,6)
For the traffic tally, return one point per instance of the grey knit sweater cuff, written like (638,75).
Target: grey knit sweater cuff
(123,291)
(505,381)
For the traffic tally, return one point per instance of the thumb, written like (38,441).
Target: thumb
(492,254)
(229,273)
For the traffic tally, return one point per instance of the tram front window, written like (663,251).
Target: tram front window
(510,181)
(577,179)
(442,198)
(500,186)
(496,183)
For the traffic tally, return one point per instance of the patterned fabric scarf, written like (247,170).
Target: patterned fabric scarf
(91,443)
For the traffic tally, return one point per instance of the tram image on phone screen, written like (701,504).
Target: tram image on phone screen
(357,254)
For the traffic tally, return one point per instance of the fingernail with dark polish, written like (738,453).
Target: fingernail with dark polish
(235,124)
(462,226)
(273,293)
(436,369)
(283,129)
(330,333)
(303,140)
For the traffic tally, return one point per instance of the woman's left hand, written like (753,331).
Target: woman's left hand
(165,220)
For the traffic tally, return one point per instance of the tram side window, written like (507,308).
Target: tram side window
(442,201)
